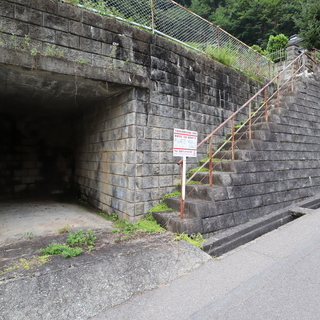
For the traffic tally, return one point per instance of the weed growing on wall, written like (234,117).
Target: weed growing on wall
(52,50)
(24,44)
(83,61)
(2,38)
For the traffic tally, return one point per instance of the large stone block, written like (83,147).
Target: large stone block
(69,11)
(67,40)
(55,22)
(89,45)
(27,14)
(49,6)
(218,223)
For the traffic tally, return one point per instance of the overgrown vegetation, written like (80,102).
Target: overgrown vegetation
(277,42)
(25,44)
(224,55)
(253,22)
(82,238)
(22,263)
(190,182)
(61,248)
(308,22)
(175,193)
(162,206)
(76,243)
(193,170)
(111,217)
(195,238)
(64,229)
(128,230)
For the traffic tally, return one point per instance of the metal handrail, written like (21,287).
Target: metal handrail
(295,69)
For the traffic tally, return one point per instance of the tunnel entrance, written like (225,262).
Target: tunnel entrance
(38,117)
(37,154)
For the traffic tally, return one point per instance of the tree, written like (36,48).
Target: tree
(203,8)
(253,21)
(308,22)
(277,42)
(185,3)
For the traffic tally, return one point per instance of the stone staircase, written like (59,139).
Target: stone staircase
(277,167)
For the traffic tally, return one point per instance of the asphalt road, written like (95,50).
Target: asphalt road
(277,276)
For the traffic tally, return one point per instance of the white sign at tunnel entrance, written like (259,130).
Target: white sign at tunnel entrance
(185,143)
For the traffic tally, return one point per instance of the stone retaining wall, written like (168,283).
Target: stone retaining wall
(124,161)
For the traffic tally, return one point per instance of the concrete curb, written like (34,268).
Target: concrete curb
(81,287)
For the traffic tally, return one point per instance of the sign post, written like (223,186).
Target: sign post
(184,145)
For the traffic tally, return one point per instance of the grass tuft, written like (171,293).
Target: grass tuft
(195,238)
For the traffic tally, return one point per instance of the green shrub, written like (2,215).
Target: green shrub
(277,42)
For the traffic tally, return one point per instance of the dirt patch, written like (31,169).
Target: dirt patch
(25,219)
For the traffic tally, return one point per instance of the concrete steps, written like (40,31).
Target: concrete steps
(227,240)
(276,168)
(219,178)
(198,208)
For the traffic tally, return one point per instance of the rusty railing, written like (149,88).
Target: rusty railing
(280,82)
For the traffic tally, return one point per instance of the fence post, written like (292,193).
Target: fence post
(278,92)
(292,77)
(265,93)
(210,162)
(152,15)
(250,120)
(218,37)
(232,140)
(183,186)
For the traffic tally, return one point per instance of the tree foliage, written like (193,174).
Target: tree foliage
(277,42)
(254,21)
(308,22)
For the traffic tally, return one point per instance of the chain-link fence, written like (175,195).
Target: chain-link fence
(278,55)
(171,20)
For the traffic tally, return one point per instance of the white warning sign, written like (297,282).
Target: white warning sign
(185,143)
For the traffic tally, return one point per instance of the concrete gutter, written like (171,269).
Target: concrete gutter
(84,286)
(276,276)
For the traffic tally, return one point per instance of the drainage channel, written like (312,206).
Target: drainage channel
(315,204)
(221,242)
